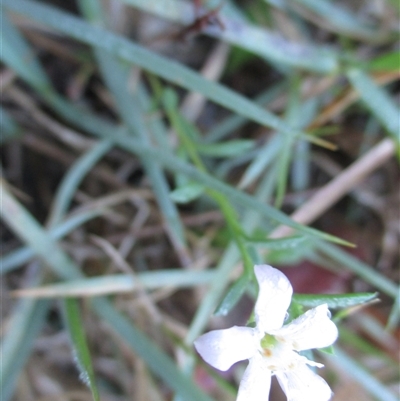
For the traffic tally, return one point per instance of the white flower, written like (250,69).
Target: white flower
(272,349)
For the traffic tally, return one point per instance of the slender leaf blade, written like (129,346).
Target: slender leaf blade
(378,101)
(233,296)
(79,345)
(334,301)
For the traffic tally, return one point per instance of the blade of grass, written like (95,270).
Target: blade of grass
(278,243)
(344,363)
(300,169)
(334,301)
(387,62)
(31,232)
(17,258)
(80,347)
(27,320)
(265,157)
(238,31)
(228,125)
(285,154)
(378,102)
(394,317)
(230,148)
(19,56)
(358,267)
(347,336)
(233,296)
(111,284)
(341,20)
(74,177)
(9,128)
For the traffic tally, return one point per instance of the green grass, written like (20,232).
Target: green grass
(183,208)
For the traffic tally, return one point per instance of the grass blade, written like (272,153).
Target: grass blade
(344,363)
(19,56)
(377,101)
(233,296)
(358,267)
(79,345)
(74,177)
(239,32)
(334,301)
(341,19)
(9,128)
(17,342)
(119,283)
(17,258)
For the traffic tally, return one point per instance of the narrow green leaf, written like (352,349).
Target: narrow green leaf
(344,363)
(266,156)
(18,55)
(363,345)
(335,301)
(74,177)
(363,271)
(233,296)
(187,193)
(328,350)
(119,283)
(225,149)
(265,43)
(18,341)
(17,258)
(387,62)
(278,243)
(394,317)
(341,19)
(79,345)
(221,130)
(378,101)
(9,128)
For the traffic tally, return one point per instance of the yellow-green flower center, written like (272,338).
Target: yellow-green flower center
(268,343)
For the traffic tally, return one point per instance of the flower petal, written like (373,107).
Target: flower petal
(222,348)
(273,299)
(313,329)
(256,381)
(302,384)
